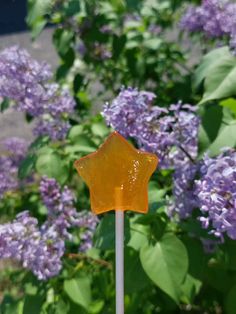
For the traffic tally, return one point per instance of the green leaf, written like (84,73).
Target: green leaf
(78,82)
(138,235)
(190,288)
(62,307)
(4,104)
(96,307)
(218,277)
(100,129)
(71,7)
(75,308)
(26,166)
(152,43)
(38,26)
(166,264)
(75,131)
(209,61)
(230,304)
(133,5)
(229,250)
(230,104)
(196,256)
(79,291)
(82,143)
(105,233)
(33,304)
(218,70)
(62,39)
(217,129)
(155,194)
(134,283)
(52,166)
(118,45)
(226,138)
(10,306)
(37,9)
(211,121)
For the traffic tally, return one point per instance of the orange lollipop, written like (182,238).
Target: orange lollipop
(117,175)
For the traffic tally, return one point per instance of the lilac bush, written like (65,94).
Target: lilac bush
(111,43)
(215,18)
(27,82)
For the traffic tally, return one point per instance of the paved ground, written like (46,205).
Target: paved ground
(12,123)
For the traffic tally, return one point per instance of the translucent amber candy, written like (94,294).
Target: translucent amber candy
(117,175)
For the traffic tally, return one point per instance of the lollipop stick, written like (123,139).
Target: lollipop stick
(119,262)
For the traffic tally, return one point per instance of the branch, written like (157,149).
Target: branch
(187,154)
(81,256)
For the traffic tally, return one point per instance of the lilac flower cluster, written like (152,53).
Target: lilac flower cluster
(37,250)
(216,194)
(27,83)
(172,133)
(14,151)
(87,221)
(40,248)
(61,202)
(215,18)
(169,133)
(184,198)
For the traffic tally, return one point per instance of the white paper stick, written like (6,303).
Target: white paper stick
(119,262)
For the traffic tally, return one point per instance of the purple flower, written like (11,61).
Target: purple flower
(40,248)
(122,113)
(16,148)
(215,18)
(56,129)
(26,82)
(184,199)
(14,151)
(169,133)
(38,251)
(60,202)
(87,222)
(216,193)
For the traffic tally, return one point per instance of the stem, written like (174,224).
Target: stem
(119,262)
(84,257)
(187,154)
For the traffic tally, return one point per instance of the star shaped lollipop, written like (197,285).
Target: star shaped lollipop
(117,175)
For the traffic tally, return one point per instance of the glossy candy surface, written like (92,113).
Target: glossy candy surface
(117,175)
